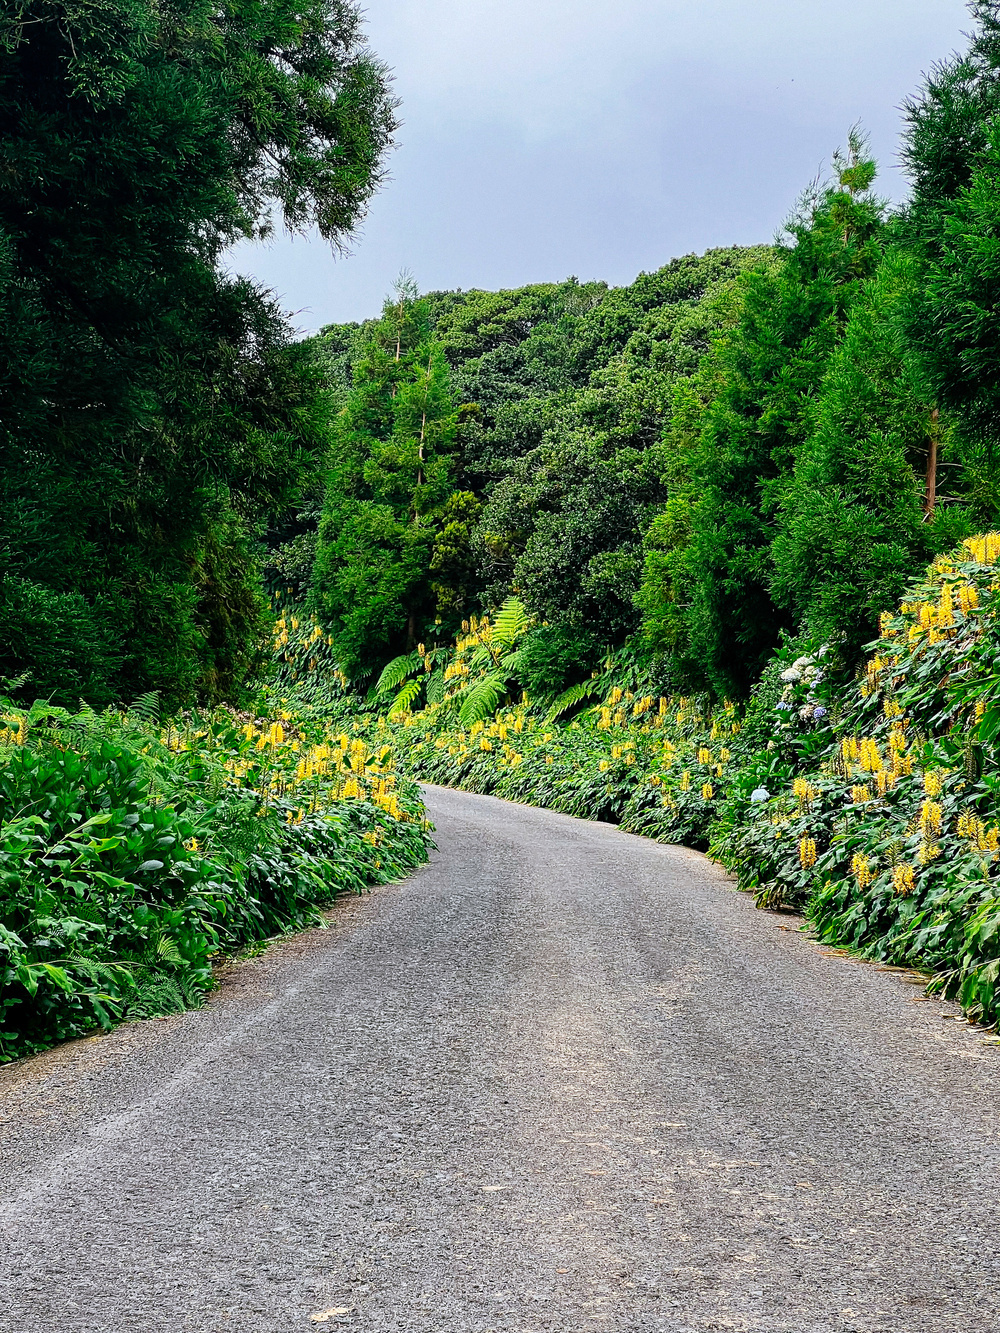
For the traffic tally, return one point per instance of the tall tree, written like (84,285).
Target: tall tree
(867,505)
(152,409)
(387,492)
(770,367)
(952,227)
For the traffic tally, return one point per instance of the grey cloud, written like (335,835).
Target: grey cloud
(548,138)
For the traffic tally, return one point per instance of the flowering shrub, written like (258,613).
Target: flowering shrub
(134,855)
(889,834)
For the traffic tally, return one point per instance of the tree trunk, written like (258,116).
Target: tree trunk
(932,464)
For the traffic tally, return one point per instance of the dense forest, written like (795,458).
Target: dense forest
(708,554)
(743,447)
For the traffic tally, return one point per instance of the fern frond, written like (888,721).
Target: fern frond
(167,951)
(403,701)
(147,706)
(435,687)
(571,697)
(480,701)
(396,672)
(511,621)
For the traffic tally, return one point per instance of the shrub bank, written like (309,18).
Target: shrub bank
(134,856)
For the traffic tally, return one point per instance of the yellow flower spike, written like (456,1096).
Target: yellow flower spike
(807,853)
(860,793)
(861,869)
(706,791)
(704,755)
(902,880)
(930,818)
(932,783)
(685,781)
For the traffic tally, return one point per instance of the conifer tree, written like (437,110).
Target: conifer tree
(861,512)
(952,226)
(771,366)
(388,487)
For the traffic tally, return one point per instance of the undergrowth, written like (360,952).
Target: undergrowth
(135,854)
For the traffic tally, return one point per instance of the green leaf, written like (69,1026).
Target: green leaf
(403,701)
(396,672)
(480,701)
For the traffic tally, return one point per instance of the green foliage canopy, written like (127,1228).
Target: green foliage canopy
(153,409)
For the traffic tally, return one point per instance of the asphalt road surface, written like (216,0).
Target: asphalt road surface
(561,1079)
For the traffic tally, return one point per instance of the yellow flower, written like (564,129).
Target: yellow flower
(932,782)
(871,760)
(861,870)
(706,791)
(902,880)
(884,781)
(807,853)
(930,818)
(860,793)
(928,851)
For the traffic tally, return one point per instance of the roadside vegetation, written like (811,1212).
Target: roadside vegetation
(712,555)
(135,855)
(870,801)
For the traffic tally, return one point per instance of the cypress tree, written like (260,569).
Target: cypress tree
(387,492)
(770,366)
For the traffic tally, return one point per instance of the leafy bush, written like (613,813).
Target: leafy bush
(132,856)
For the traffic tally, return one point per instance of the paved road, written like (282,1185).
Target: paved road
(562,1079)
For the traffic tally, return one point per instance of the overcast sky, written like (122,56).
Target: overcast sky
(544,138)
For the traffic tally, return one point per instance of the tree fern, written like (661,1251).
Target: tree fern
(403,701)
(396,672)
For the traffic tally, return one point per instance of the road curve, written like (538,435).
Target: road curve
(561,1079)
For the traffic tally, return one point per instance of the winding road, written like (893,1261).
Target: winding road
(560,1079)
